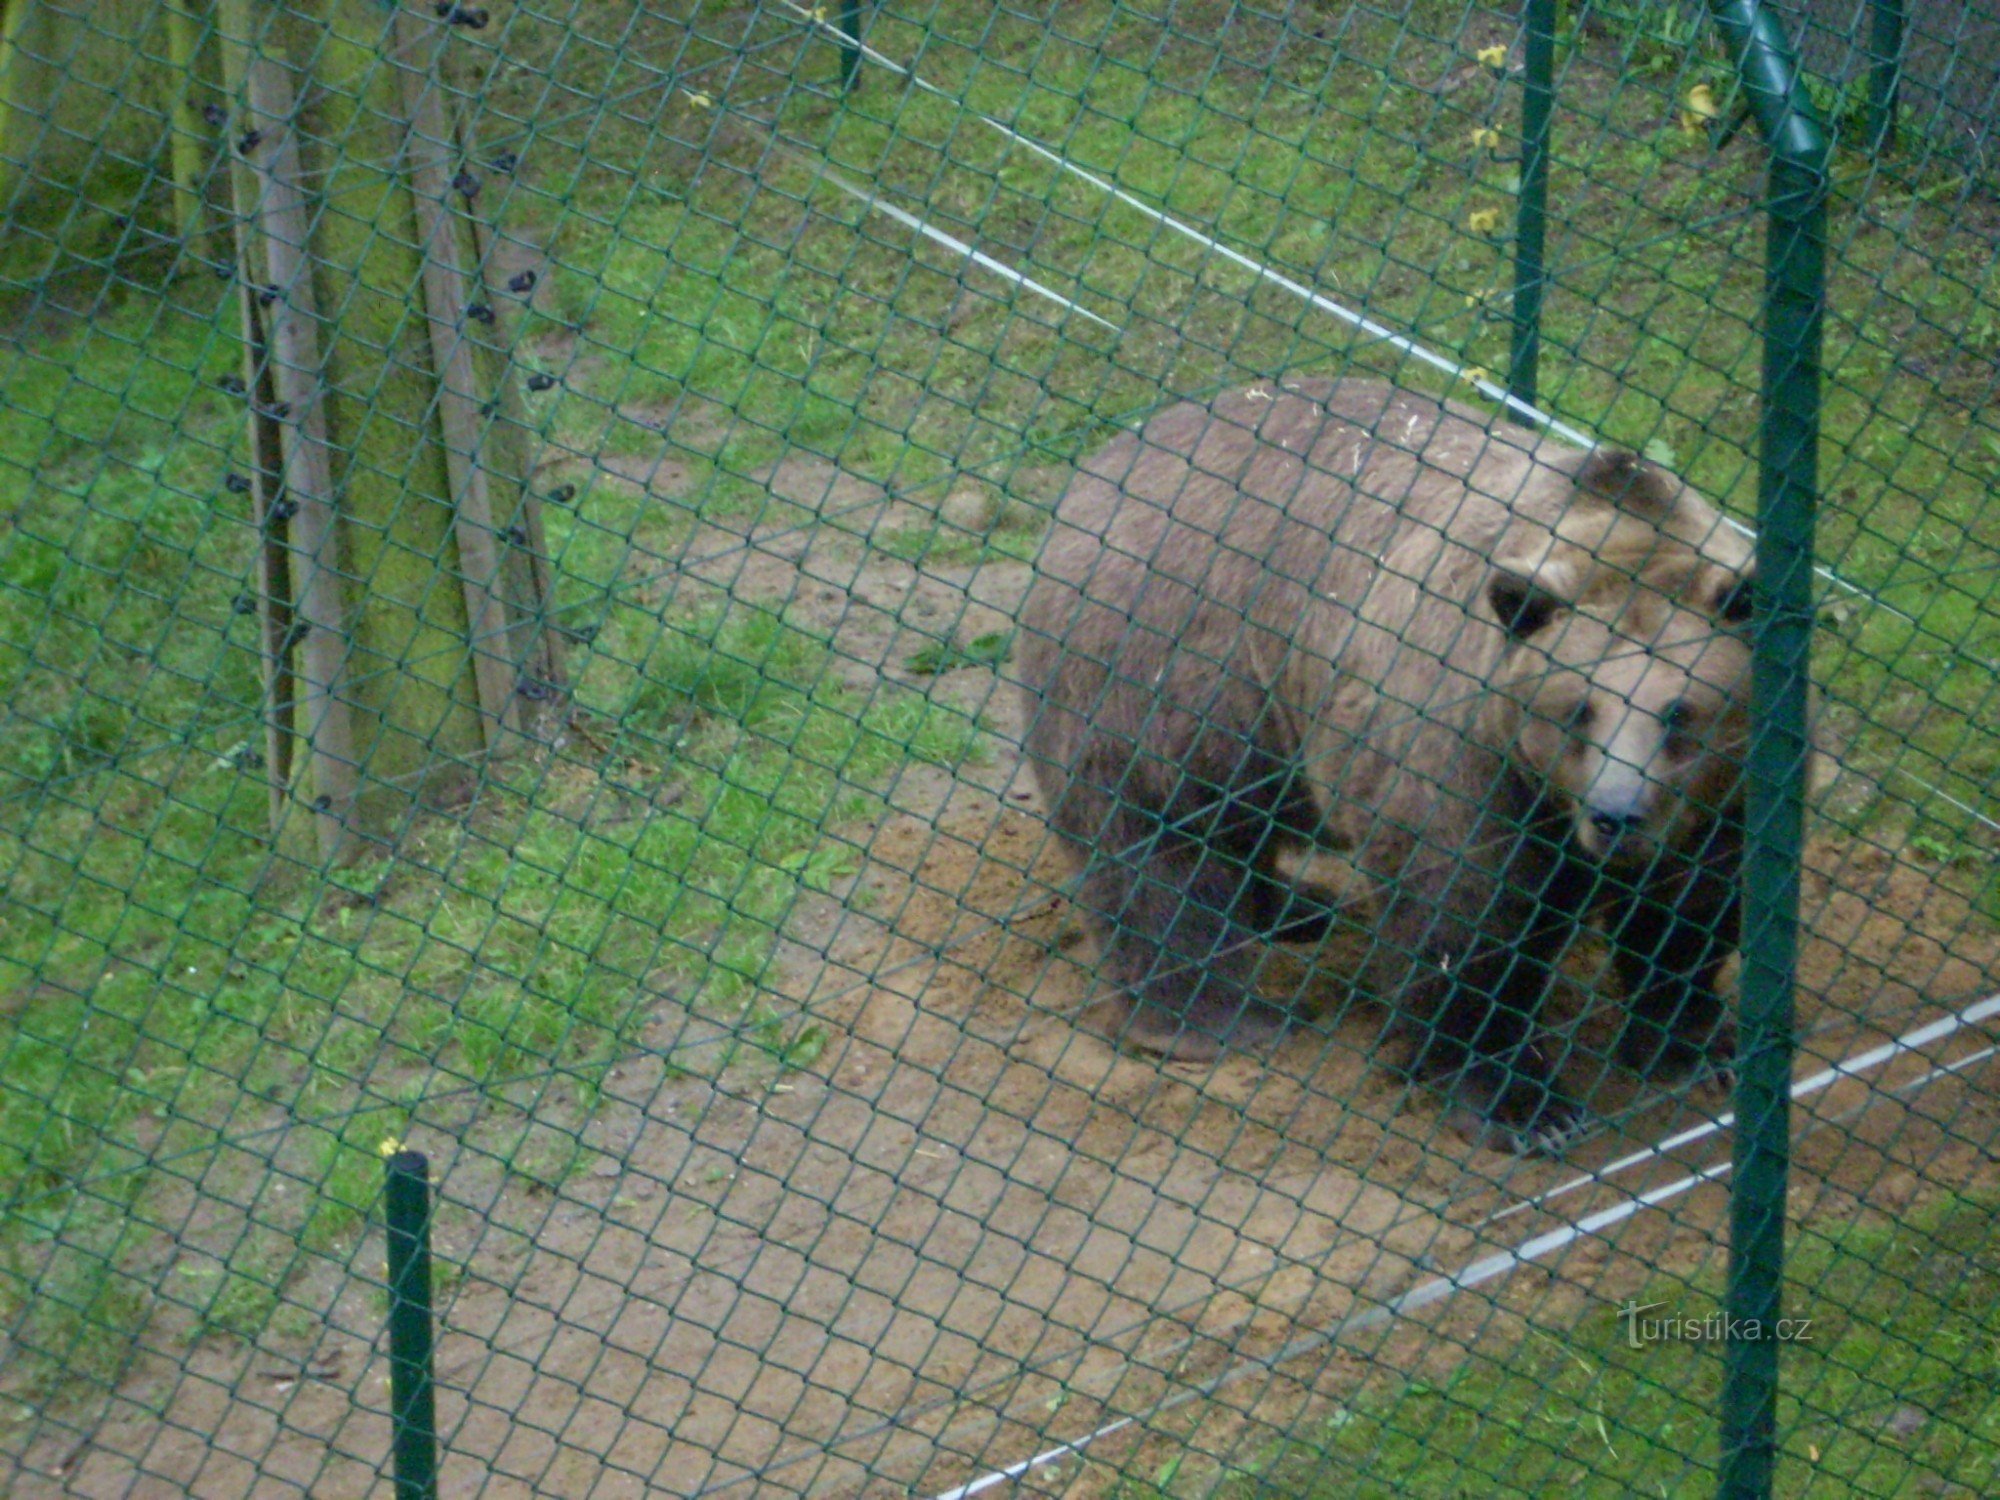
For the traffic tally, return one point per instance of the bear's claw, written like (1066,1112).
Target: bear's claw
(1550,1136)
(1510,1106)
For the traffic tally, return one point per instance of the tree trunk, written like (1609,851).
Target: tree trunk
(405,614)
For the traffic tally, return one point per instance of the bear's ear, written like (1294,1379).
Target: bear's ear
(1628,481)
(1520,604)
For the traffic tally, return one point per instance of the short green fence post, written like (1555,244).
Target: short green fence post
(850,46)
(1787,494)
(1531,221)
(412,1394)
(1885,77)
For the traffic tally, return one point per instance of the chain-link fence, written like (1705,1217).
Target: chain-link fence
(954,704)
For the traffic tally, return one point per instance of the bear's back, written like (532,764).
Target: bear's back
(1320,544)
(1324,504)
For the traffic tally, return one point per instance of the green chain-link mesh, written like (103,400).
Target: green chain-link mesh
(516,525)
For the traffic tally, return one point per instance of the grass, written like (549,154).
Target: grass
(1890,1393)
(172,985)
(712,305)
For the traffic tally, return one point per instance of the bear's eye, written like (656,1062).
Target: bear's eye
(1523,609)
(1738,602)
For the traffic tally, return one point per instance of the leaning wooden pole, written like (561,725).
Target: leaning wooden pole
(449,298)
(280,223)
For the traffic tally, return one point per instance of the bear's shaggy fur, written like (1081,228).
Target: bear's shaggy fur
(1507,678)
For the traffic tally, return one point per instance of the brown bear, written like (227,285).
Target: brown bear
(1508,679)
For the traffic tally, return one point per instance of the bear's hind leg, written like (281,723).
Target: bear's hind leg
(1175,944)
(1283,910)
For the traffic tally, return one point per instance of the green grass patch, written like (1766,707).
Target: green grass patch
(1890,1392)
(942,545)
(945,656)
(170,984)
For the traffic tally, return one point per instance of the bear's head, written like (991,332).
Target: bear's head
(1624,686)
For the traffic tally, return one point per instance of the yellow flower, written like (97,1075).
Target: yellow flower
(1701,108)
(1486,138)
(1493,57)
(390,1146)
(1483,220)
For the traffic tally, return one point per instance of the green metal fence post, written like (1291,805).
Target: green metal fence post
(1531,223)
(850,49)
(412,1396)
(1794,298)
(1885,45)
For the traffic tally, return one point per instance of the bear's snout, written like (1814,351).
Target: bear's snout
(1620,800)
(1614,838)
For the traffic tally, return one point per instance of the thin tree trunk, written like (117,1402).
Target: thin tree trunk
(190,141)
(24,95)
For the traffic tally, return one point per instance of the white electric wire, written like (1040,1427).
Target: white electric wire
(1409,346)
(931,232)
(1804,1088)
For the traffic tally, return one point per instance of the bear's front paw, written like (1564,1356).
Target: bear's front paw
(1516,1108)
(1654,1051)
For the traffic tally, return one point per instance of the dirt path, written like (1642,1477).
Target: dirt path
(972,1229)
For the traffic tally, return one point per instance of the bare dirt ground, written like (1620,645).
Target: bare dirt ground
(973,1229)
